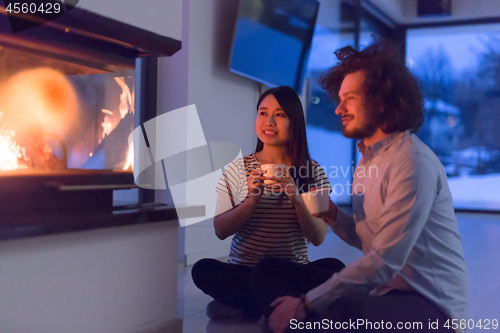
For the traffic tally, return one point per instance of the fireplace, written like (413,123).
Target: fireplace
(71,92)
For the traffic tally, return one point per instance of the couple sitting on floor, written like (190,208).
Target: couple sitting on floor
(412,269)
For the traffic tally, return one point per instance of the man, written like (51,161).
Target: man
(413,269)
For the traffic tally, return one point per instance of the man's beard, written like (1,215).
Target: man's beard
(365,130)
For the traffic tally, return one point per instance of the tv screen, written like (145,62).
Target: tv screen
(272,40)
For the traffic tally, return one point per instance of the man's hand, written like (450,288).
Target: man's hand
(285,309)
(330,215)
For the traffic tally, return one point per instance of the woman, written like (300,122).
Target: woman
(267,220)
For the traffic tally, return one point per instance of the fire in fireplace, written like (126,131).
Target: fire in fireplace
(51,122)
(67,106)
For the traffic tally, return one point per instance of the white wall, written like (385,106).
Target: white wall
(163,17)
(119,280)
(225,101)
(198,74)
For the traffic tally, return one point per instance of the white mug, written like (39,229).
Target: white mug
(317,201)
(273,170)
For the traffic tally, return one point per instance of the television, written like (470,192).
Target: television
(272,40)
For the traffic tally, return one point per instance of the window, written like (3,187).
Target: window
(327,145)
(459,72)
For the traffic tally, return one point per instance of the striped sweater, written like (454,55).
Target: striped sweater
(273,228)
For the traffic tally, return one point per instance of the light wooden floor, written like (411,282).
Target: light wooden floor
(481,240)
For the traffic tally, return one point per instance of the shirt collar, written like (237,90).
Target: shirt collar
(373,150)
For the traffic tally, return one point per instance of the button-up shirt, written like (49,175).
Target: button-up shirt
(404,222)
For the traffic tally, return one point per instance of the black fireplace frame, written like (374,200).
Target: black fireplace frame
(97,42)
(83,37)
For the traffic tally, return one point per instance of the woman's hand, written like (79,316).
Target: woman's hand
(256,184)
(231,221)
(287,185)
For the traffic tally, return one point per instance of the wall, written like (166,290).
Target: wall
(225,102)
(163,17)
(198,74)
(101,281)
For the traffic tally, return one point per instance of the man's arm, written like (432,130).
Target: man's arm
(345,227)
(410,194)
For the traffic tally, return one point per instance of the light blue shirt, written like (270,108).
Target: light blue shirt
(405,224)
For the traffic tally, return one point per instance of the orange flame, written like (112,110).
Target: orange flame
(10,152)
(125,97)
(130,158)
(39,99)
(34,103)
(126,106)
(42,101)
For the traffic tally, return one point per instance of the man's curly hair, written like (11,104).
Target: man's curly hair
(389,86)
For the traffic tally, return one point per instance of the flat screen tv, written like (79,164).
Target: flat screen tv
(272,39)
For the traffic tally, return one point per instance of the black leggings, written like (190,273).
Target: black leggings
(230,284)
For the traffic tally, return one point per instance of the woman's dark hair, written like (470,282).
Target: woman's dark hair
(389,86)
(297,146)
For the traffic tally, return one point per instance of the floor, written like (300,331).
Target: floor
(481,240)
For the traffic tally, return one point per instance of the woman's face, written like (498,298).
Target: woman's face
(272,124)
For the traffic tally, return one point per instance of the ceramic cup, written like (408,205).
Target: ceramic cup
(273,170)
(317,201)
